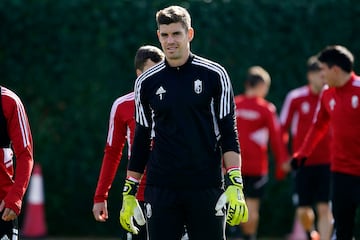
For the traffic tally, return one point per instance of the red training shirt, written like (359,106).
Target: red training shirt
(339,108)
(297,114)
(257,122)
(18,128)
(121,129)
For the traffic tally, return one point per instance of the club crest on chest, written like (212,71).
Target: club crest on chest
(198,86)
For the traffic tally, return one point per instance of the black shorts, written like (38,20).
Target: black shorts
(254,187)
(346,203)
(312,184)
(169,210)
(9,228)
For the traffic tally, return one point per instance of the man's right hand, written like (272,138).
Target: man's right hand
(8,213)
(100,211)
(130,208)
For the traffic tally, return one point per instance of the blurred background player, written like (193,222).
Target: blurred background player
(258,125)
(312,181)
(339,109)
(121,129)
(15,136)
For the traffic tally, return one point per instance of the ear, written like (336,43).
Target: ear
(138,72)
(335,69)
(191,33)
(158,34)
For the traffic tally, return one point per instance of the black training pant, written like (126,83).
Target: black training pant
(345,199)
(169,210)
(9,228)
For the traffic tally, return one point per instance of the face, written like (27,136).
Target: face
(263,89)
(148,64)
(175,42)
(328,74)
(316,80)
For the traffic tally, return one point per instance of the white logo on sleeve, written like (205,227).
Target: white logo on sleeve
(354,101)
(198,86)
(160,92)
(332,104)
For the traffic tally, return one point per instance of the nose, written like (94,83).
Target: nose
(170,39)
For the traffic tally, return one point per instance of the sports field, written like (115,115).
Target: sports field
(98,238)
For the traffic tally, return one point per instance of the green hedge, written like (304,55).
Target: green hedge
(69,59)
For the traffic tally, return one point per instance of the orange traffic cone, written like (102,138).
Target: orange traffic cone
(34,225)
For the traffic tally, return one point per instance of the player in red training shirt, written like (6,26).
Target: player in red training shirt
(339,109)
(15,136)
(312,182)
(121,129)
(257,123)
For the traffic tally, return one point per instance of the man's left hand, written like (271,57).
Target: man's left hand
(237,211)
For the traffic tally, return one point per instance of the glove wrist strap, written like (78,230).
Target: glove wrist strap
(130,187)
(233,177)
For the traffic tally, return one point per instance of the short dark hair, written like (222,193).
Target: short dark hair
(174,14)
(147,52)
(337,55)
(256,75)
(313,64)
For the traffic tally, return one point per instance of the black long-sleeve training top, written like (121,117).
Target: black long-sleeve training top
(186,115)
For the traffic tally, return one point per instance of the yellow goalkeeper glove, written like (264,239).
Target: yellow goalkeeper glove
(131,209)
(237,211)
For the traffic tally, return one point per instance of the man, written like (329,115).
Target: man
(312,181)
(258,125)
(15,137)
(185,111)
(121,129)
(339,109)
